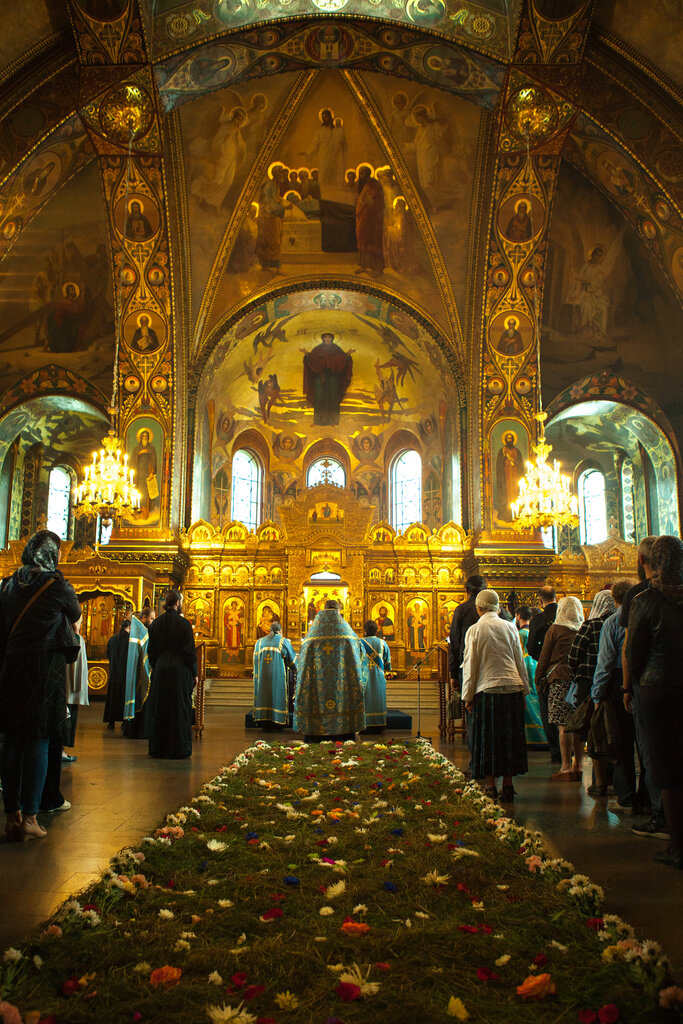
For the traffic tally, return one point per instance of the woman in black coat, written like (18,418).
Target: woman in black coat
(37,608)
(173,659)
(117,652)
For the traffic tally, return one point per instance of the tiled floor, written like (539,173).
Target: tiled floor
(119,794)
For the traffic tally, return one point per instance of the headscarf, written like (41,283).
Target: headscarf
(569,613)
(41,554)
(667,568)
(603,604)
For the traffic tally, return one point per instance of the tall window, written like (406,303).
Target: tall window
(628,505)
(326,471)
(592,508)
(405,487)
(246,489)
(59,502)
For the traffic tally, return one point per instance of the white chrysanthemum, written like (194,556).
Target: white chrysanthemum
(502,960)
(434,878)
(216,845)
(435,839)
(357,975)
(422,915)
(11,955)
(181,946)
(558,946)
(166,915)
(236,1015)
(326,911)
(225,904)
(37,962)
(360,908)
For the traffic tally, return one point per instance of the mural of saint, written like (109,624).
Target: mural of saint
(270,220)
(327,375)
(144,463)
(144,337)
(509,470)
(511,342)
(327,150)
(66,324)
(227,153)
(588,296)
(385,624)
(268,613)
(138,228)
(311,611)
(369,222)
(519,227)
(400,239)
(416,621)
(434,143)
(232,620)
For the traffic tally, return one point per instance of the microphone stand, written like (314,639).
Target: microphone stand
(416,668)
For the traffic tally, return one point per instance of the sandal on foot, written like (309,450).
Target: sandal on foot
(563,776)
(31,830)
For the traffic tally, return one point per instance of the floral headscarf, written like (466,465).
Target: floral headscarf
(569,613)
(41,554)
(603,604)
(667,567)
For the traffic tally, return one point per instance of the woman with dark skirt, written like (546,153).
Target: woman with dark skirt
(654,654)
(494,683)
(37,608)
(117,652)
(173,659)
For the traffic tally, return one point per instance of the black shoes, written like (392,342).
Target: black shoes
(653,829)
(507,794)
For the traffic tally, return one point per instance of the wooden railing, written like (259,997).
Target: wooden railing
(450,723)
(198,727)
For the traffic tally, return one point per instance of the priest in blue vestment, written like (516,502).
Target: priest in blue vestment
(273,657)
(137,675)
(332,675)
(379,664)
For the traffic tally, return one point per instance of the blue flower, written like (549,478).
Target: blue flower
(397,831)
(390,886)
(252,835)
(290,880)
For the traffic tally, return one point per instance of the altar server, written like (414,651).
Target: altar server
(332,675)
(273,656)
(379,665)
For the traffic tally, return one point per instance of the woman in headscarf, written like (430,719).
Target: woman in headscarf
(654,653)
(117,652)
(582,661)
(554,677)
(37,608)
(173,658)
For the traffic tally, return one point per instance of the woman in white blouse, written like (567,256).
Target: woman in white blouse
(493,689)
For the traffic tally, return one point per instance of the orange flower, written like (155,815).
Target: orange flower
(165,977)
(315,814)
(536,986)
(355,927)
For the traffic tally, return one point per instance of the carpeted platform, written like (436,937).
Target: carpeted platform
(395,720)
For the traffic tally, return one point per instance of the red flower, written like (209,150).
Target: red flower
(91,906)
(252,991)
(253,842)
(471,929)
(587,1016)
(463,888)
(70,986)
(608,1014)
(266,1020)
(382,966)
(352,927)
(347,991)
(486,974)
(239,979)
(272,913)
(221,828)
(595,924)
(541,960)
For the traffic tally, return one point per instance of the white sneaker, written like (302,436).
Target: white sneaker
(66,806)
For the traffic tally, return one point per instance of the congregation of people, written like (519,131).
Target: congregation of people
(607,685)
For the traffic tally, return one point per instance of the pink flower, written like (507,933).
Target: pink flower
(669,996)
(347,991)
(9,1014)
(533,863)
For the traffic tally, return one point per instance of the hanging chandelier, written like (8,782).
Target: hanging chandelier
(108,492)
(545,498)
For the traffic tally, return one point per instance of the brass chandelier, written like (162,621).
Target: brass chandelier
(108,491)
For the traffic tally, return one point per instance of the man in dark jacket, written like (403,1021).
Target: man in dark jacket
(464,616)
(538,627)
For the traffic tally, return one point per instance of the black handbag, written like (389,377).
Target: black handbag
(581,719)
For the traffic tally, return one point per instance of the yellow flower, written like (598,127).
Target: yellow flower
(286,1000)
(456,1008)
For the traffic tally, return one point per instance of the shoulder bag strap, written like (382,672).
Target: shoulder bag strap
(29,603)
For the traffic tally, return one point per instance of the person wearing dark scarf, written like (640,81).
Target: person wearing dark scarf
(37,606)
(654,654)
(117,652)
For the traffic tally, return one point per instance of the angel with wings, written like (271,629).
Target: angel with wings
(587,294)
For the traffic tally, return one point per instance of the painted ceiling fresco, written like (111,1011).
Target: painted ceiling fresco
(56,304)
(295,160)
(658,38)
(605,306)
(61,424)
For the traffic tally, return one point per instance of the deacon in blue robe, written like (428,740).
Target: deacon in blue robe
(332,675)
(379,664)
(137,676)
(273,656)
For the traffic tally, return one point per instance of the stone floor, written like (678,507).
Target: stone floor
(119,794)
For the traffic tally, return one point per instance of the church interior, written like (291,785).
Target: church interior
(319,265)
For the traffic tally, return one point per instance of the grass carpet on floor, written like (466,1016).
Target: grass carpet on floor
(337,883)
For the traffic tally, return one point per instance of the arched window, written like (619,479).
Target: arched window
(246,488)
(628,504)
(405,490)
(59,501)
(592,508)
(326,471)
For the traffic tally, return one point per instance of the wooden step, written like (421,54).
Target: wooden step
(401,694)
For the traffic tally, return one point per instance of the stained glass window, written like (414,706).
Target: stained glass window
(59,502)
(326,471)
(628,500)
(405,486)
(592,508)
(246,489)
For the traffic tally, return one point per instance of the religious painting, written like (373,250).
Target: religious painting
(145,447)
(199,614)
(384,615)
(326,559)
(510,333)
(417,625)
(521,218)
(328,371)
(446,617)
(138,217)
(326,512)
(234,623)
(144,331)
(57,288)
(42,174)
(367,445)
(265,613)
(99,614)
(509,452)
